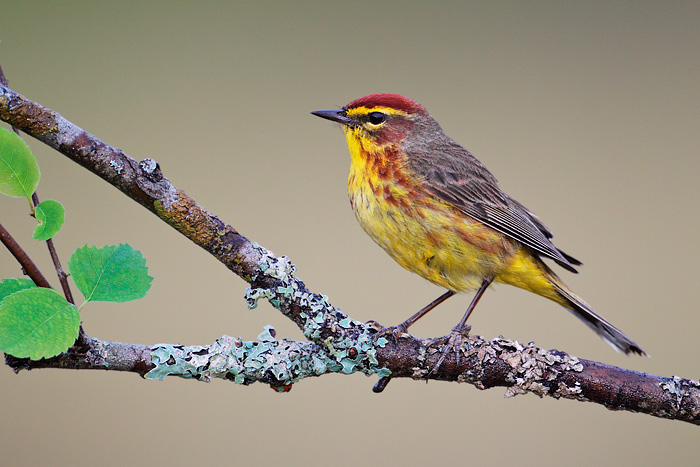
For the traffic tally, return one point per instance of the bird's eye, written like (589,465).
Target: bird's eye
(376,118)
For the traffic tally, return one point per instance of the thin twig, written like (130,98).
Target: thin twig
(24,260)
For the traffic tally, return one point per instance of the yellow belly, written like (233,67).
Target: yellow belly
(427,236)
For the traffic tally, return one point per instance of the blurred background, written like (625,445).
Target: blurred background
(588,113)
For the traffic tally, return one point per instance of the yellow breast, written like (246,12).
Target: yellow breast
(423,234)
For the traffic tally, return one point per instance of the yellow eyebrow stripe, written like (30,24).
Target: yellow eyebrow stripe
(365,110)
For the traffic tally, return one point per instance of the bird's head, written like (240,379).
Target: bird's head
(373,122)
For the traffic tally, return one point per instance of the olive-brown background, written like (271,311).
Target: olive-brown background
(588,113)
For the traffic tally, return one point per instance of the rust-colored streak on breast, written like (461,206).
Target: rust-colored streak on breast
(434,238)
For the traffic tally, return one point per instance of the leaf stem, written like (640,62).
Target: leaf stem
(62,276)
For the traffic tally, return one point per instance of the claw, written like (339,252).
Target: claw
(454,341)
(395,331)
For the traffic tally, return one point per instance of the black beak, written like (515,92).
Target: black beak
(338,116)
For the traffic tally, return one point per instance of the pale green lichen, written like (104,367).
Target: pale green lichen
(117,166)
(277,362)
(342,344)
(350,343)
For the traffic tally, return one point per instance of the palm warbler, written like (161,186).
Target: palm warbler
(434,208)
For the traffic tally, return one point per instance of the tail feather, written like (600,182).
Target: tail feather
(529,272)
(570,259)
(609,333)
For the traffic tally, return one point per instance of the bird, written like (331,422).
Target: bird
(439,212)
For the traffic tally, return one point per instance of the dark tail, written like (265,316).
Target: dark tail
(583,311)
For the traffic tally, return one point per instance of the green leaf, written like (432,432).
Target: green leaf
(51,215)
(10,286)
(19,171)
(37,323)
(116,273)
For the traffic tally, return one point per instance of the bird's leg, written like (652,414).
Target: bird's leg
(462,329)
(403,327)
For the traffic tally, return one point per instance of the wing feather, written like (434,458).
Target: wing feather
(455,176)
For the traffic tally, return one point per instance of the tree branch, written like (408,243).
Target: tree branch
(338,343)
(485,364)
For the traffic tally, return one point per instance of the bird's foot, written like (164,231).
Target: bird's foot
(394,331)
(453,342)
